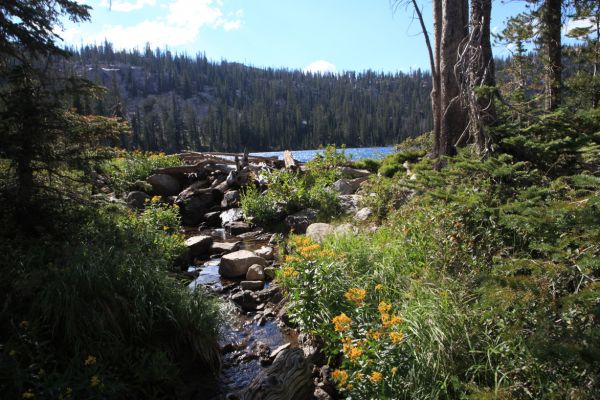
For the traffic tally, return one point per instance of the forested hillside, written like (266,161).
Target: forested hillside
(176,102)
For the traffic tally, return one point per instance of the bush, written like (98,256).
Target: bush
(94,314)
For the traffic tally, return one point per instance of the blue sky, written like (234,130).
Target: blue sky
(325,35)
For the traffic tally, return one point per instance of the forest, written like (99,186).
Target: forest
(464,265)
(176,102)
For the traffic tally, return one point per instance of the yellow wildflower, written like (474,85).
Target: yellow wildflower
(94,381)
(396,337)
(24,324)
(342,322)
(90,360)
(384,307)
(354,353)
(373,334)
(359,376)
(346,344)
(28,394)
(379,286)
(292,258)
(356,295)
(165,228)
(376,376)
(390,320)
(394,370)
(327,254)
(290,272)
(155,199)
(340,376)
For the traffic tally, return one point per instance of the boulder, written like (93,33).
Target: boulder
(318,231)
(213,218)
(353,172)
(342,186)
(255,273)
(231,198)
(198,245)
(345,229)
(349,202)
(231,215)
(246,300)
(265,252)
(363,214)
(194,202)
(299,221)
(164,185)
(224,247)
(236,264)
(252,285)
(238,227)
(251,234)
(136,199)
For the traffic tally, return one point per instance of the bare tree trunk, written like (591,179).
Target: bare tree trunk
(453,119)
(436,100)
(551,21)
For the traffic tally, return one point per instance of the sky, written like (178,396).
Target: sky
(315,35)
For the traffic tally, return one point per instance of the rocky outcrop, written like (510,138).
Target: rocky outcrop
(236,264)
(136,199)
(265,252)
(349,203)
(299,221)
(318,231)
(198,246)
(194,202)
(363,214)
(164,185)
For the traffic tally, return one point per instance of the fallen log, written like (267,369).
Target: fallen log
(288,159)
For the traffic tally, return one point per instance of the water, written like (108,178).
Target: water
(355,153)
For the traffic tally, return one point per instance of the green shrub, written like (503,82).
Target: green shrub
(94,314)
(393,163)
(369,164)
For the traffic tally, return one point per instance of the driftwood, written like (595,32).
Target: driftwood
(289,160)
(288,378)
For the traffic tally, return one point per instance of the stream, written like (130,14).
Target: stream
(248,339)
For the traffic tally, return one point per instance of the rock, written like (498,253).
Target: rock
(198,245)
(213,219)
(275,239)
(299,221)
(311,347)
(353,172)
(236,264)
(246,300)
(321,394)
(345,229)
(342,186)
(318,231)
(255,273)
(136,199)
(231,198)
(224,247)
(278,350)
(265,252)
(164,185)
(141,186)
(269,273)
(252,285)
(250,235)
(271,294)
(194,203)
(349,202)
(231,215)
(238,227)
(363,214)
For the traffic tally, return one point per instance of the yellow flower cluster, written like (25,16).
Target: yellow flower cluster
(289,272)
(328,254)
(292,258)
(300,241)
(356,295)
(384,307)
(376,376)
(373,334)
(94,381)
(90,360)
(342,322)
(340,376)
(308,251)
(396,337)
(354,354)
(155,199)
(379,286)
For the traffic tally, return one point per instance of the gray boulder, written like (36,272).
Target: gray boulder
(265,252)
(345,229)
(236,264)
(353,172)
(299,221)
(237,228)
(349,202)
(231,198)
(318,231)
(164,185)
(198,246)
(252,285)
(194,202)
(255,273)
(363,214)
(136,199)
(342,186)
(224,247)
(231,215)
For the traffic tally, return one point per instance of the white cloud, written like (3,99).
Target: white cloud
(126,6)
(320,67)
(577,23)
(181,25)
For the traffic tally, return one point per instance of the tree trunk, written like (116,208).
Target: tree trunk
(551,22)
(436,101)
(454,32)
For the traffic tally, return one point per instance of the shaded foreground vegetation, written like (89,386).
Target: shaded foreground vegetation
(484,285)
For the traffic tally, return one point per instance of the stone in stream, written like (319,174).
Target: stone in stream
(231,198)
(198,245)
(236,228)
(265,252)
(136,199)
(252,285)
(231,215)
(318,231)
(255,273)
(236,264)
(245,299)
(299,221)
(164,185)
(224,247)
(213,218)
(194,202)
(269,273)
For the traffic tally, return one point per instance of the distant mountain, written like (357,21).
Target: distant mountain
(177,102)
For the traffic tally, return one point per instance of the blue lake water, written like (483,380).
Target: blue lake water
(352,153)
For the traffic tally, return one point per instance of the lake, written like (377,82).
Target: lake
(356,153)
